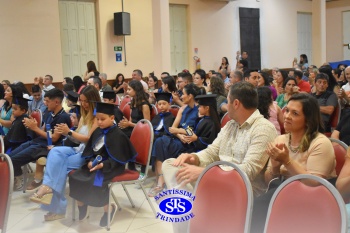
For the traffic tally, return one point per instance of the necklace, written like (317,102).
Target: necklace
(294,149)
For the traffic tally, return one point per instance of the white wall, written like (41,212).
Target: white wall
(215,30)
(335,29)
(30,40)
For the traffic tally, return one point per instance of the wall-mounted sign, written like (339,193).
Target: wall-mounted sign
(118,48)
(118,57)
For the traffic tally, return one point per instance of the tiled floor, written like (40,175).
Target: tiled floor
(26,216)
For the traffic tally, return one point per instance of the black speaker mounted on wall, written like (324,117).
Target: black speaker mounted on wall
(122,23)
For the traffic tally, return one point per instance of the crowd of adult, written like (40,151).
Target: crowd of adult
(276,129)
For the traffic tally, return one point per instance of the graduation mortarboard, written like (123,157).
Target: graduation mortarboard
(109,95)
(75,109)
(20,101)
(206,100)
(163,96)
(105,108)
(72,96)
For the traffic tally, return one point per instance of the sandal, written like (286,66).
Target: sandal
(44,198)
(52,216)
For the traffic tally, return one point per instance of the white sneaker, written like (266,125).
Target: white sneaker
(18,183)
(141,176)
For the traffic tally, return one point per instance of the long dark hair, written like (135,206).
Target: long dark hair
(170,81)
(15,91)
(217,86)
(91,66)
(2,92)
(327,69)
(77,82)
(22,88)
(265,100)
(140,94)
(305,60)
(313,121)
(214,115)
(117,79)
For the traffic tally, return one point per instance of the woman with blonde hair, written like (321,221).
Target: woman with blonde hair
(62,159)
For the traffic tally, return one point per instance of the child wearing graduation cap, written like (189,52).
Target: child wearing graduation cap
(162,121)
(205,131)
(89,184)
(71,100)
(18,133)
(110,97)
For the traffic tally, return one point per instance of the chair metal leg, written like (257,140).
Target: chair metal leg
(25,177)
(127,193)
(116,201)
(73,209)
(148,199)
(109,209)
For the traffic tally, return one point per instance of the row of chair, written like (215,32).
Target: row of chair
(295,207)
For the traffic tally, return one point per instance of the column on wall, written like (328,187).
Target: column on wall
(318,32)
(161,36)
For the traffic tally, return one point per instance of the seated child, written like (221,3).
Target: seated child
(205,131)
(89,185)
(18,133)
(71,100)
(75,116)
(162,121)
(110,97)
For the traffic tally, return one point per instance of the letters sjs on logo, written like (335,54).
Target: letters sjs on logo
(175,205)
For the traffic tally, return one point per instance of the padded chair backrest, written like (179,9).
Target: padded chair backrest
(126,99)
(2,146)
(37,115)
(6,186)
(340,149)
(154,111)
(126,111)
(174,109)
(335,116)
(297,207)
(283,131)
(224,120)
(223,200)
(142,140)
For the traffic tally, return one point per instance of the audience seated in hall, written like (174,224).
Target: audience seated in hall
(37,100)
(36,148)
(105,85)
(62,159)
(6,117)
(140,109)
(327,99)
(303,150)
(269,108)
(303,85)
(183,79)
(242,141)
(18,133)
(48,79)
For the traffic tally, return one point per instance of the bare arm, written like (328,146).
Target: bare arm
(327,109)
(343,181)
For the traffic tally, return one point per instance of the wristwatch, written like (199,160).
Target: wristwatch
(70,133)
